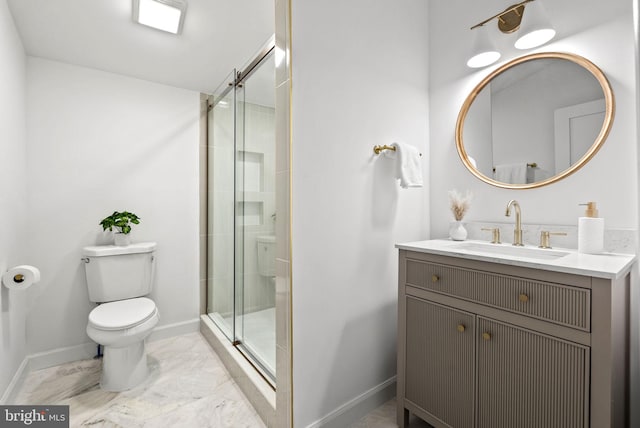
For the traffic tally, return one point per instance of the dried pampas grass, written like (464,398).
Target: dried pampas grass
(459,203)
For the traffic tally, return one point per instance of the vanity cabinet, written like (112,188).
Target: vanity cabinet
(489,345)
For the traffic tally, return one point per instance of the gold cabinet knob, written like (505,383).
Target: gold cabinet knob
(523,298)
(461,328)
(435,278)
(486,336)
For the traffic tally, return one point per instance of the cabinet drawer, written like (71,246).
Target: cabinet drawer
(560,304)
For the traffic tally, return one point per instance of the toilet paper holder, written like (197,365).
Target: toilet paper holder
(21,277)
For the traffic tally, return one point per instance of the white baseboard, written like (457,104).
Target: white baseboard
(18,378)
(175,329)
(42,360)
(84,351)
(358,407)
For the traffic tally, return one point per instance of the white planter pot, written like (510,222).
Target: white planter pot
(121,239)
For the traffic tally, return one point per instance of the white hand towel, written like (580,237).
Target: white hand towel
(512,173)
(409,170)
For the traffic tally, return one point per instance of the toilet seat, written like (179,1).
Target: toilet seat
(122,314)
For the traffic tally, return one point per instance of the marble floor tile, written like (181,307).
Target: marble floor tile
(385,417)
(187,387)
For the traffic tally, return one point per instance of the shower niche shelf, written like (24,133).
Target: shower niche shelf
(253,165)
(250,213)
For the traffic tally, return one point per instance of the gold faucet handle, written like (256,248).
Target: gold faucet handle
(545,238)
(495,234)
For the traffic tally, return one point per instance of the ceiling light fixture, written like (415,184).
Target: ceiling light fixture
(534,31)
(165,15)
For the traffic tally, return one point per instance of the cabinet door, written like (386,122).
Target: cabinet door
(527,380)
(440,361)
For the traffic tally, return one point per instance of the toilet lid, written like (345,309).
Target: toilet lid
(122,313)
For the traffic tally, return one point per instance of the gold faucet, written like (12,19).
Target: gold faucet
(517,231)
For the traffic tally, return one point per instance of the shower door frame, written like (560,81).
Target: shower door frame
(238,311)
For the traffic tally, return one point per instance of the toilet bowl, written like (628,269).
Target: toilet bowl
(117,278)
(121,327)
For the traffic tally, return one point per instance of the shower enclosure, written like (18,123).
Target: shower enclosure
(241,211)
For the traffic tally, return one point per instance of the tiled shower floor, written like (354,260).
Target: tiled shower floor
(259,335)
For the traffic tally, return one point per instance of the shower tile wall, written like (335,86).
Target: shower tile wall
(283,221)
(259,185)
(221,210)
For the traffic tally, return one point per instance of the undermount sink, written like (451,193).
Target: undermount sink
(511,250)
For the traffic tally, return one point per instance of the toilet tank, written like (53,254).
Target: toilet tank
(118,273)
(266,255)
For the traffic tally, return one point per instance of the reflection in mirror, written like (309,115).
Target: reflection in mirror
(535,120)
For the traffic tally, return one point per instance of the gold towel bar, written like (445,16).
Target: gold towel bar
(378,149)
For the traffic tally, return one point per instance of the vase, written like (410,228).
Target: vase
(122,239)
(457,231)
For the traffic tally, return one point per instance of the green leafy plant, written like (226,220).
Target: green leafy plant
(121,221)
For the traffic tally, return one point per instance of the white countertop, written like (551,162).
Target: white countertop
(605,265)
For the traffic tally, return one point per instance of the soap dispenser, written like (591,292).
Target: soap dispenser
(590,231)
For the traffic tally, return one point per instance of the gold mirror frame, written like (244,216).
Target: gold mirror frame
(599,141)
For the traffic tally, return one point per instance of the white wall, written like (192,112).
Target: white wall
(13,189)
(610,177)
(99,142)
(360,73)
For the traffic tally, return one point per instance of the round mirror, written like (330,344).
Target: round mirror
(535,120)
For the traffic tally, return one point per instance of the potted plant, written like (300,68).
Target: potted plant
(122,221)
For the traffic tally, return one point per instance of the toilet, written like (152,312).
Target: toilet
(118,278)
(267,256)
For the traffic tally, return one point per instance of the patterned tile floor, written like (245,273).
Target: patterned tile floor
(188,387)
(385,417)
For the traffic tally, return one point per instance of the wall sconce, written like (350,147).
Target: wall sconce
(533,27)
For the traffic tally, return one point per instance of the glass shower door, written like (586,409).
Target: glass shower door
(241,211)
(255,250)
(221,206)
